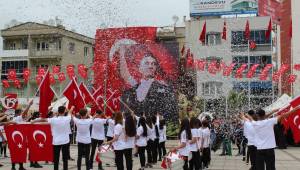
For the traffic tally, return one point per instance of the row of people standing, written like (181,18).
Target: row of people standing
(194,137)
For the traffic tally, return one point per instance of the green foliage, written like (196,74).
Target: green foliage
(172,129)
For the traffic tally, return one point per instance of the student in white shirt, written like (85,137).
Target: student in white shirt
(195,161)
(162,139)
(184,136)
(141,141)
(265,138)
(155,122)
(83,137)
(110,127)
(129,140)
(205,144)
(150,141)
(249,133)
(60,135)
(118,140)
(98,135)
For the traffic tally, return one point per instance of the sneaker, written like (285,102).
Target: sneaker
(38,165)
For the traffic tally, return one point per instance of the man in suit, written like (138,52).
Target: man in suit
(150,96)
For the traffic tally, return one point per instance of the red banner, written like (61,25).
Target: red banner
(40,142)
(16,138)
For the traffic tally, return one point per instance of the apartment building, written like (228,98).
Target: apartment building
(33,45)
(234,49)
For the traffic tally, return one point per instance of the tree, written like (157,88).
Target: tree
(236,101)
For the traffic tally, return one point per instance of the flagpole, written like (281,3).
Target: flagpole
(273,93)
(249,88)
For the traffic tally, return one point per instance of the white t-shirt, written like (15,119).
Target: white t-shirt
(110,128)
(183,139)
(18,119)
(59,131)
(129,142)
(264,130)
(98,129)
(142,140)
(2,131)
(249,133)
(162,134)
(83,130)
(151,133)
(118,131)
(206,137)
(195,134)
(200,138)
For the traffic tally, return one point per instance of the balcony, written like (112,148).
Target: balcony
(14,53)
(46,54)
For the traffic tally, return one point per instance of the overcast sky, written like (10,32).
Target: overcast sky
(86,15)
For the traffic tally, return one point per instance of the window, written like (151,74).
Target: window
(213,38)
(212,88)
(18,65)
(86,51)
(259,36)
(12,46)
(213,59)
(42,46)
(72,48)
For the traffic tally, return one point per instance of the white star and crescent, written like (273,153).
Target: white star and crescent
(36,132)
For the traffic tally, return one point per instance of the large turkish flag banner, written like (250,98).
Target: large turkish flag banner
(40,142)
(17,142)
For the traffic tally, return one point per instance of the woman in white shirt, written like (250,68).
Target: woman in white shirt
(195,161)
(141,141)
(98,135)
(130,133)
(83,137)
(184,136)
(118,140)
(205,143)
(150,142)
(162,139)
(110,128)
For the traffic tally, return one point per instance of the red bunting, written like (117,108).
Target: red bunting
(275,77)
(297,67)
(26,74)
(12,75)
(55,69)
(41,71)
(38,79)
(212,67)
(70,71)
(5,83)
(252,71)
(239,71)
(51,78)
(61,77)
(82,70)
(252,45)
(228,69)
(17,83)
(264,73)
(292,78)
(200,65)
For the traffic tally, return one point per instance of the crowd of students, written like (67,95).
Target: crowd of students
(145,136)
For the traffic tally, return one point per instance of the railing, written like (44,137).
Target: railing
(14,53)
(46,53)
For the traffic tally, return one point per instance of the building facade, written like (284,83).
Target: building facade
(235,49)
(33,45)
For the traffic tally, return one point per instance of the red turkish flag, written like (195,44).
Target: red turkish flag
(252,45)
(247,31)
(12,74)
(16,138)
(264,73)
(252,71)
(285,122)
(55,69)
(86,95)
(297,67)
(41,71)
(52,79)
(40,142)
(112,101)
(240,70)
(73,94)
(46,95)
(294,121)
(182,50)
(26,74)
(5,83)
(61,77)
(224,31)
(200,64)
(269,30)
(228,69)
(98,95)
(70,71)
(17,83)
(203,33)
(82,70)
